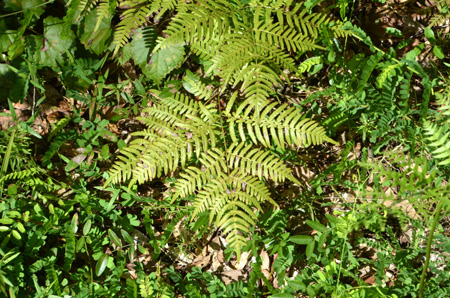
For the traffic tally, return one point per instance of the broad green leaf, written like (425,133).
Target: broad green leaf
(164,61)
(139,50)
(296,284)
(29,6)
(437,50)
(12,86)
(96,41)
(51,50)
(14,214)
(429,34)
(132,289)
(101,264)
(301,239)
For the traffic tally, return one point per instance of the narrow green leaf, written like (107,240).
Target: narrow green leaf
(11,255)
(316,225)
(310,249)
(80,244)
(87,227)
(7,155)
(16,235)
(126,236)
(74,223)
(323,238)
(301,239)
(114,238)
(282,295)
(7,221)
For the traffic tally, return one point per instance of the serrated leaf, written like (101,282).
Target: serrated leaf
(164,61)
(101,264)
(139,49)
(301,239)
(52,49)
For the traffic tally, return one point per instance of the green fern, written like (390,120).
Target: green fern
(224,174)
(145,287)
(438,139)
(58,127)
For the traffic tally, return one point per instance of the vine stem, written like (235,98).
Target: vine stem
(428,252)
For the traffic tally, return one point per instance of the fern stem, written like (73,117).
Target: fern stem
(428,252)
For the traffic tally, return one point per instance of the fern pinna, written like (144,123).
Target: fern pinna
(224,172)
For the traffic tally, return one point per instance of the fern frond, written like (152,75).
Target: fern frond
(369,66)
(444,102)
(28,173)
(58,127)
(85,6)
(197,88)
(387,72)
(308,63)
(145,287)
(103,11)
(132,18)
(440,141)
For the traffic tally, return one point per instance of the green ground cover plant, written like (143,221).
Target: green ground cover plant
(245,148)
